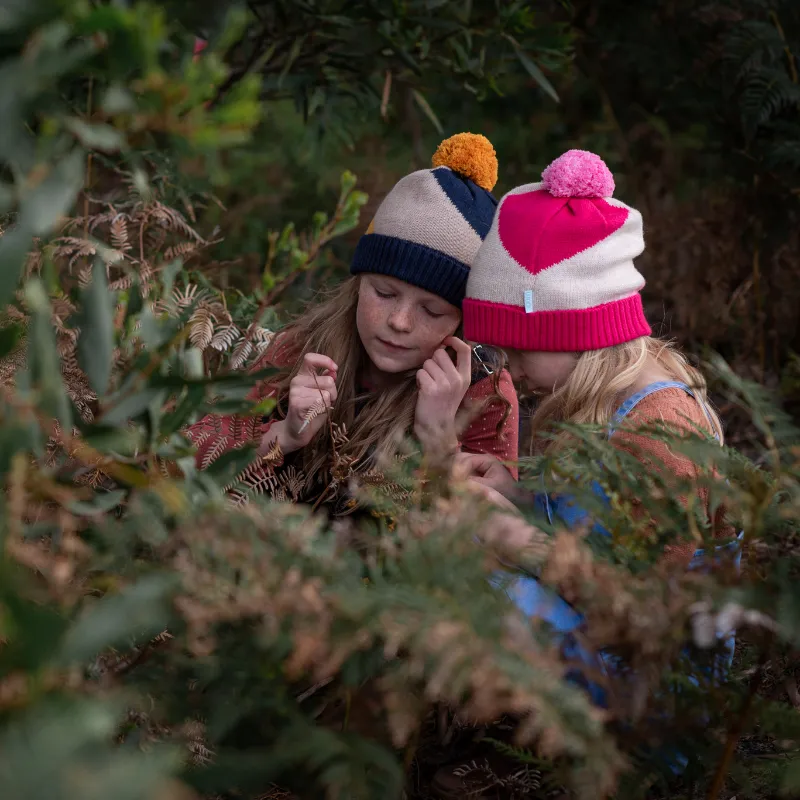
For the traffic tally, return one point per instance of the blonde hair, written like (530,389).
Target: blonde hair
(375,422)
(602,379)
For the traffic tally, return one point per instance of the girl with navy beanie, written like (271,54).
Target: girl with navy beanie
(380,356)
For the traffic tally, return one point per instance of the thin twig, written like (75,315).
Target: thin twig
(736,730)
(313,690)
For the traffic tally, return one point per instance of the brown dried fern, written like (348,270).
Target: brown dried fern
(201,327)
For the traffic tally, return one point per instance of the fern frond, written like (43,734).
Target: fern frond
(34,260)
(85,276)
(73,248)
(121,284)
(174,221)
(183,298)
(179,250)
(220,446)
(292,481)
(766,94)
(201,328)
(224,337)
(318,408)
(241,353)
(119,233)
(273,455)
(257,483)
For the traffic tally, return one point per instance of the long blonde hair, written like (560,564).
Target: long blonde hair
(602,379)
(375,422)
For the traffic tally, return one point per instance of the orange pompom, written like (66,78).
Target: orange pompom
(470,155)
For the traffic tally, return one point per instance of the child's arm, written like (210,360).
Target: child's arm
(214,434)
(486,434)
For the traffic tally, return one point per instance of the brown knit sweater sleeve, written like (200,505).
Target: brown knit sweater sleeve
(682,413)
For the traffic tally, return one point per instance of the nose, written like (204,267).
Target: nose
(401,318)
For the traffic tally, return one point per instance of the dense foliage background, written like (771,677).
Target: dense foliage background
(163,213)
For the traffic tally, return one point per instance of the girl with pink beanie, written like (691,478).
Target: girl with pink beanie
(554,284)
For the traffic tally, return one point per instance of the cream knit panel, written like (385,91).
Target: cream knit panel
(418,210)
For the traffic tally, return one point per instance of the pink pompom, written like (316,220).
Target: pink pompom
(578,173)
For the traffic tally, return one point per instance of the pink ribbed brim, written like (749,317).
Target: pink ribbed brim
(573,330)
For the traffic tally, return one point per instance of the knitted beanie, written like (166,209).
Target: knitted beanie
(429,227)
(556,270)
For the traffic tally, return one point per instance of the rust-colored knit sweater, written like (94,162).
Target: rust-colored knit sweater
(676,409)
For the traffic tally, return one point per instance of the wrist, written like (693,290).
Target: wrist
(280,430)
(441,444)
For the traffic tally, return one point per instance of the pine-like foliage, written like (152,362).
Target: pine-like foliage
(174,632)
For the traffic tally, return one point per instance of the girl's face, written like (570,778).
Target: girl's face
(401,325)
(540,372)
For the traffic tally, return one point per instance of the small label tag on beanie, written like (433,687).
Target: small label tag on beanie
(528,295)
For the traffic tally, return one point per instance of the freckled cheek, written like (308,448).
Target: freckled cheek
(370,319)
(431,333)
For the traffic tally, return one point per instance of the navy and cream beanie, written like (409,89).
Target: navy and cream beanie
(429,227)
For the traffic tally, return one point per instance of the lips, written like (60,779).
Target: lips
(394,347)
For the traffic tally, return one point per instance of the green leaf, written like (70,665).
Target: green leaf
(42,206)
(791,779)
(118,100)
(10,337)
(97,136)
(428,111)
(347,183)
(533,70)
(138,611)
(83,761)
(102,502)
(14,247)
(14,439)
(43,359)
(7,198)
(135,300)
(193,363)
(96,342)
(174,420)
(15,14)
(132,406)
(33,631)
(123,441)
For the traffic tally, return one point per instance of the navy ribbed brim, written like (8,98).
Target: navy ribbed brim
(413,263)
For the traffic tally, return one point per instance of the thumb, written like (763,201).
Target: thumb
(467,465)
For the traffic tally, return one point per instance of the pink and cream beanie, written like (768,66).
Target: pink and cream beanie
(555,272)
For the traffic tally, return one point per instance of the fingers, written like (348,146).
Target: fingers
(424,381)
(306,402)
(435,371)
(466,465)
(314,382)
(315,361)
(442,358)
(479,463)
(490,494)
(463,356)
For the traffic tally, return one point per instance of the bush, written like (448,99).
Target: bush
(158,641)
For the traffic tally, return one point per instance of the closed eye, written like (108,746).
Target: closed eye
(432,314)
(385,295)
